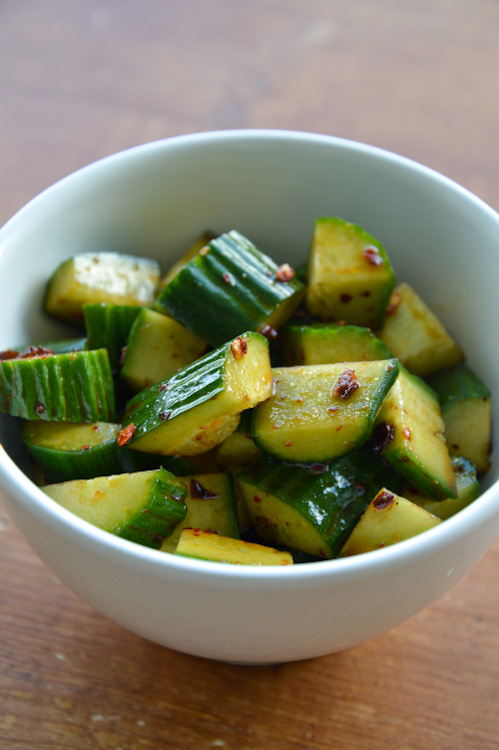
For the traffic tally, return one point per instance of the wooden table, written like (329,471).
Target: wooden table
(83,79)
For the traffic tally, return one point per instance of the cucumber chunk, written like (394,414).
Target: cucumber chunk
(108,327)
(320,412)
(143,507)
(157,347)
(312,507)
(211,506)
(388,519)
(466,407)
(73,387)
(230,287)
(414,334)
(323,343)
(100,277)
(204,545)
(468,489)
(409,433)
(350,277)
(205,396)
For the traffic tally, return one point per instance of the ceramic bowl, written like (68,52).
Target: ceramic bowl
(270,185)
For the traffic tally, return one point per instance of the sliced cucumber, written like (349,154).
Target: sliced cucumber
(321,343)
(73,387)
(466,407)
(157,347)
(314,507)
(409,433)
(387,520)
(65,451)
(468,489)
(144,507)
(100,277)
(108,327)
(211,506)
(350,277)
(203,397)
(320,412)
(204,545)
(230,287)
(415,335)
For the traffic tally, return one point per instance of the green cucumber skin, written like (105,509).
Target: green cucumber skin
(457,383)
(152,525)
(194,384)
(67,345)
(322,334)
(218,310)
(98,461)
(73,387)
(85,463)
(331,495)
(108,327)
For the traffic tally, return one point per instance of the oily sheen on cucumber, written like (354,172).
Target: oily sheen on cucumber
(320,412)
(204,397)
(73,387)
(230,287)
(313,507)
(143,507)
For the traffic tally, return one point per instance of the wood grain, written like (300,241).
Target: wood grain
(84,79)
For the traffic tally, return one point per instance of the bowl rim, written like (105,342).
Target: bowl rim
(29,496)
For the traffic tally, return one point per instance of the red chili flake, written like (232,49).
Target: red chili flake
(383,435)
(228,279)
(383,500)
(455,446)
(338,428)
(8,354)
(346,385)
(199,492)
(317,468)
(35,351)
(122,355)
(126,435)
(40,409)
(85,447)
(239,347)
(393,303)
(406,433)
(257,498)
(288,443)
(346,297)
(96,428)
(360,488)
(285,272)
(197,531)
(164,415)
(332,409)
(162,387)
(323,553)
(372,255)
(267,331)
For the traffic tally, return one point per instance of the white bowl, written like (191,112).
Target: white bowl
(270,185)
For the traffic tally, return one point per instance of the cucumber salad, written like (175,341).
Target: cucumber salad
(235,410)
